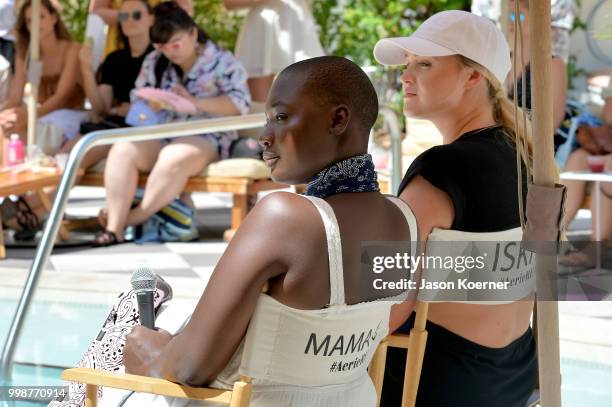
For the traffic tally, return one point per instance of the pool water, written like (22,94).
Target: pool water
(57,333)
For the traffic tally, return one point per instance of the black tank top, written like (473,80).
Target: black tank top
(478,172)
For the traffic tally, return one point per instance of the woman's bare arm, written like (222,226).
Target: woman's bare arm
(218,106)
(67,82)
(18,82)
(221,105)
(559,78)
(432,208)
(103,9)
(264,247)
(100,96)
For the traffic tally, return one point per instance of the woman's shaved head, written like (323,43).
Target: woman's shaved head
(335,80)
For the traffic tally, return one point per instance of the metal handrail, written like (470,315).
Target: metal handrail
(105,137)
(390,116)
(98,138)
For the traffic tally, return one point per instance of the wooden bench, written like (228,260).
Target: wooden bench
(242,177)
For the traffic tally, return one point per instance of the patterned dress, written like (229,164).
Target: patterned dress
(215,73)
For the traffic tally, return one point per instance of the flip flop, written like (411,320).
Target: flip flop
(106,238)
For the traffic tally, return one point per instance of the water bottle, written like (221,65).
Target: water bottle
(16,151)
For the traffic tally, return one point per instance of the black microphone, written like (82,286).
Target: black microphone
(144,282)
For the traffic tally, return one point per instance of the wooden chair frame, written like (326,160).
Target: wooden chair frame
(239,396)
(244,191)
(416,342)
(241,393)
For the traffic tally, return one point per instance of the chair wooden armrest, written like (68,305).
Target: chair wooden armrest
(416,342)
(239,396)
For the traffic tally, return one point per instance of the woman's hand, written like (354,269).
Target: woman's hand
(122,109)
(142,347)
(181,91)
(13,119)
(156,105)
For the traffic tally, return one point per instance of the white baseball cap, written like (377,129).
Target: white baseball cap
(451,32)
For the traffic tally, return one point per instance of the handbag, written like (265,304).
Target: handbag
(105,351)
(173,223)
(49,138)
(141,114)
(595,140)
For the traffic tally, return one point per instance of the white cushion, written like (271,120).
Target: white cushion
(251,168)
(238,167)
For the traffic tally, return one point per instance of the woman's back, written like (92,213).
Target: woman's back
(361,218)
(478,172)
(320,356)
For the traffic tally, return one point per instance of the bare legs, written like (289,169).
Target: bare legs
(170,167)
(576,190)
(606,205)
(577,161)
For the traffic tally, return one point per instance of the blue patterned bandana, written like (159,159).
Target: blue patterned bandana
(354,174)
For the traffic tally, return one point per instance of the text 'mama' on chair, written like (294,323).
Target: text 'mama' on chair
(240,395)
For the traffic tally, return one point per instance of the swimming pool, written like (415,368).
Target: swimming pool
(56,334)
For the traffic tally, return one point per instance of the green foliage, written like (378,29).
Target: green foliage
(348,28)
(74,15)
(221,25)
(351,28)
(573,71)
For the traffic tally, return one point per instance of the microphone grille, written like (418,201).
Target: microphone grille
(143,279)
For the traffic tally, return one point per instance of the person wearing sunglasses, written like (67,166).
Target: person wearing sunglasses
(108,10)
(185,61)
(110,98)
(558,71)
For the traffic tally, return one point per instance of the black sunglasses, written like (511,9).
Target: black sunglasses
(123,16)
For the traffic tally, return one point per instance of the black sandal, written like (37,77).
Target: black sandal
(27,220)
(106,238)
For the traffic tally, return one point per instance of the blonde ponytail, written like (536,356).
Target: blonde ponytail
(504,114)
(519,131)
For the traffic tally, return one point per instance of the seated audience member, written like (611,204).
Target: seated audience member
(60,94)
(598,142)
(108,10)
(320,112)
(110,99)
(465,190)
(190,64)
(559,71)
(7,44)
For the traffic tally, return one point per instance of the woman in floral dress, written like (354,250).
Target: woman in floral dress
(188,63)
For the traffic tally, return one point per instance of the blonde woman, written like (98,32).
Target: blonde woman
(478,354)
